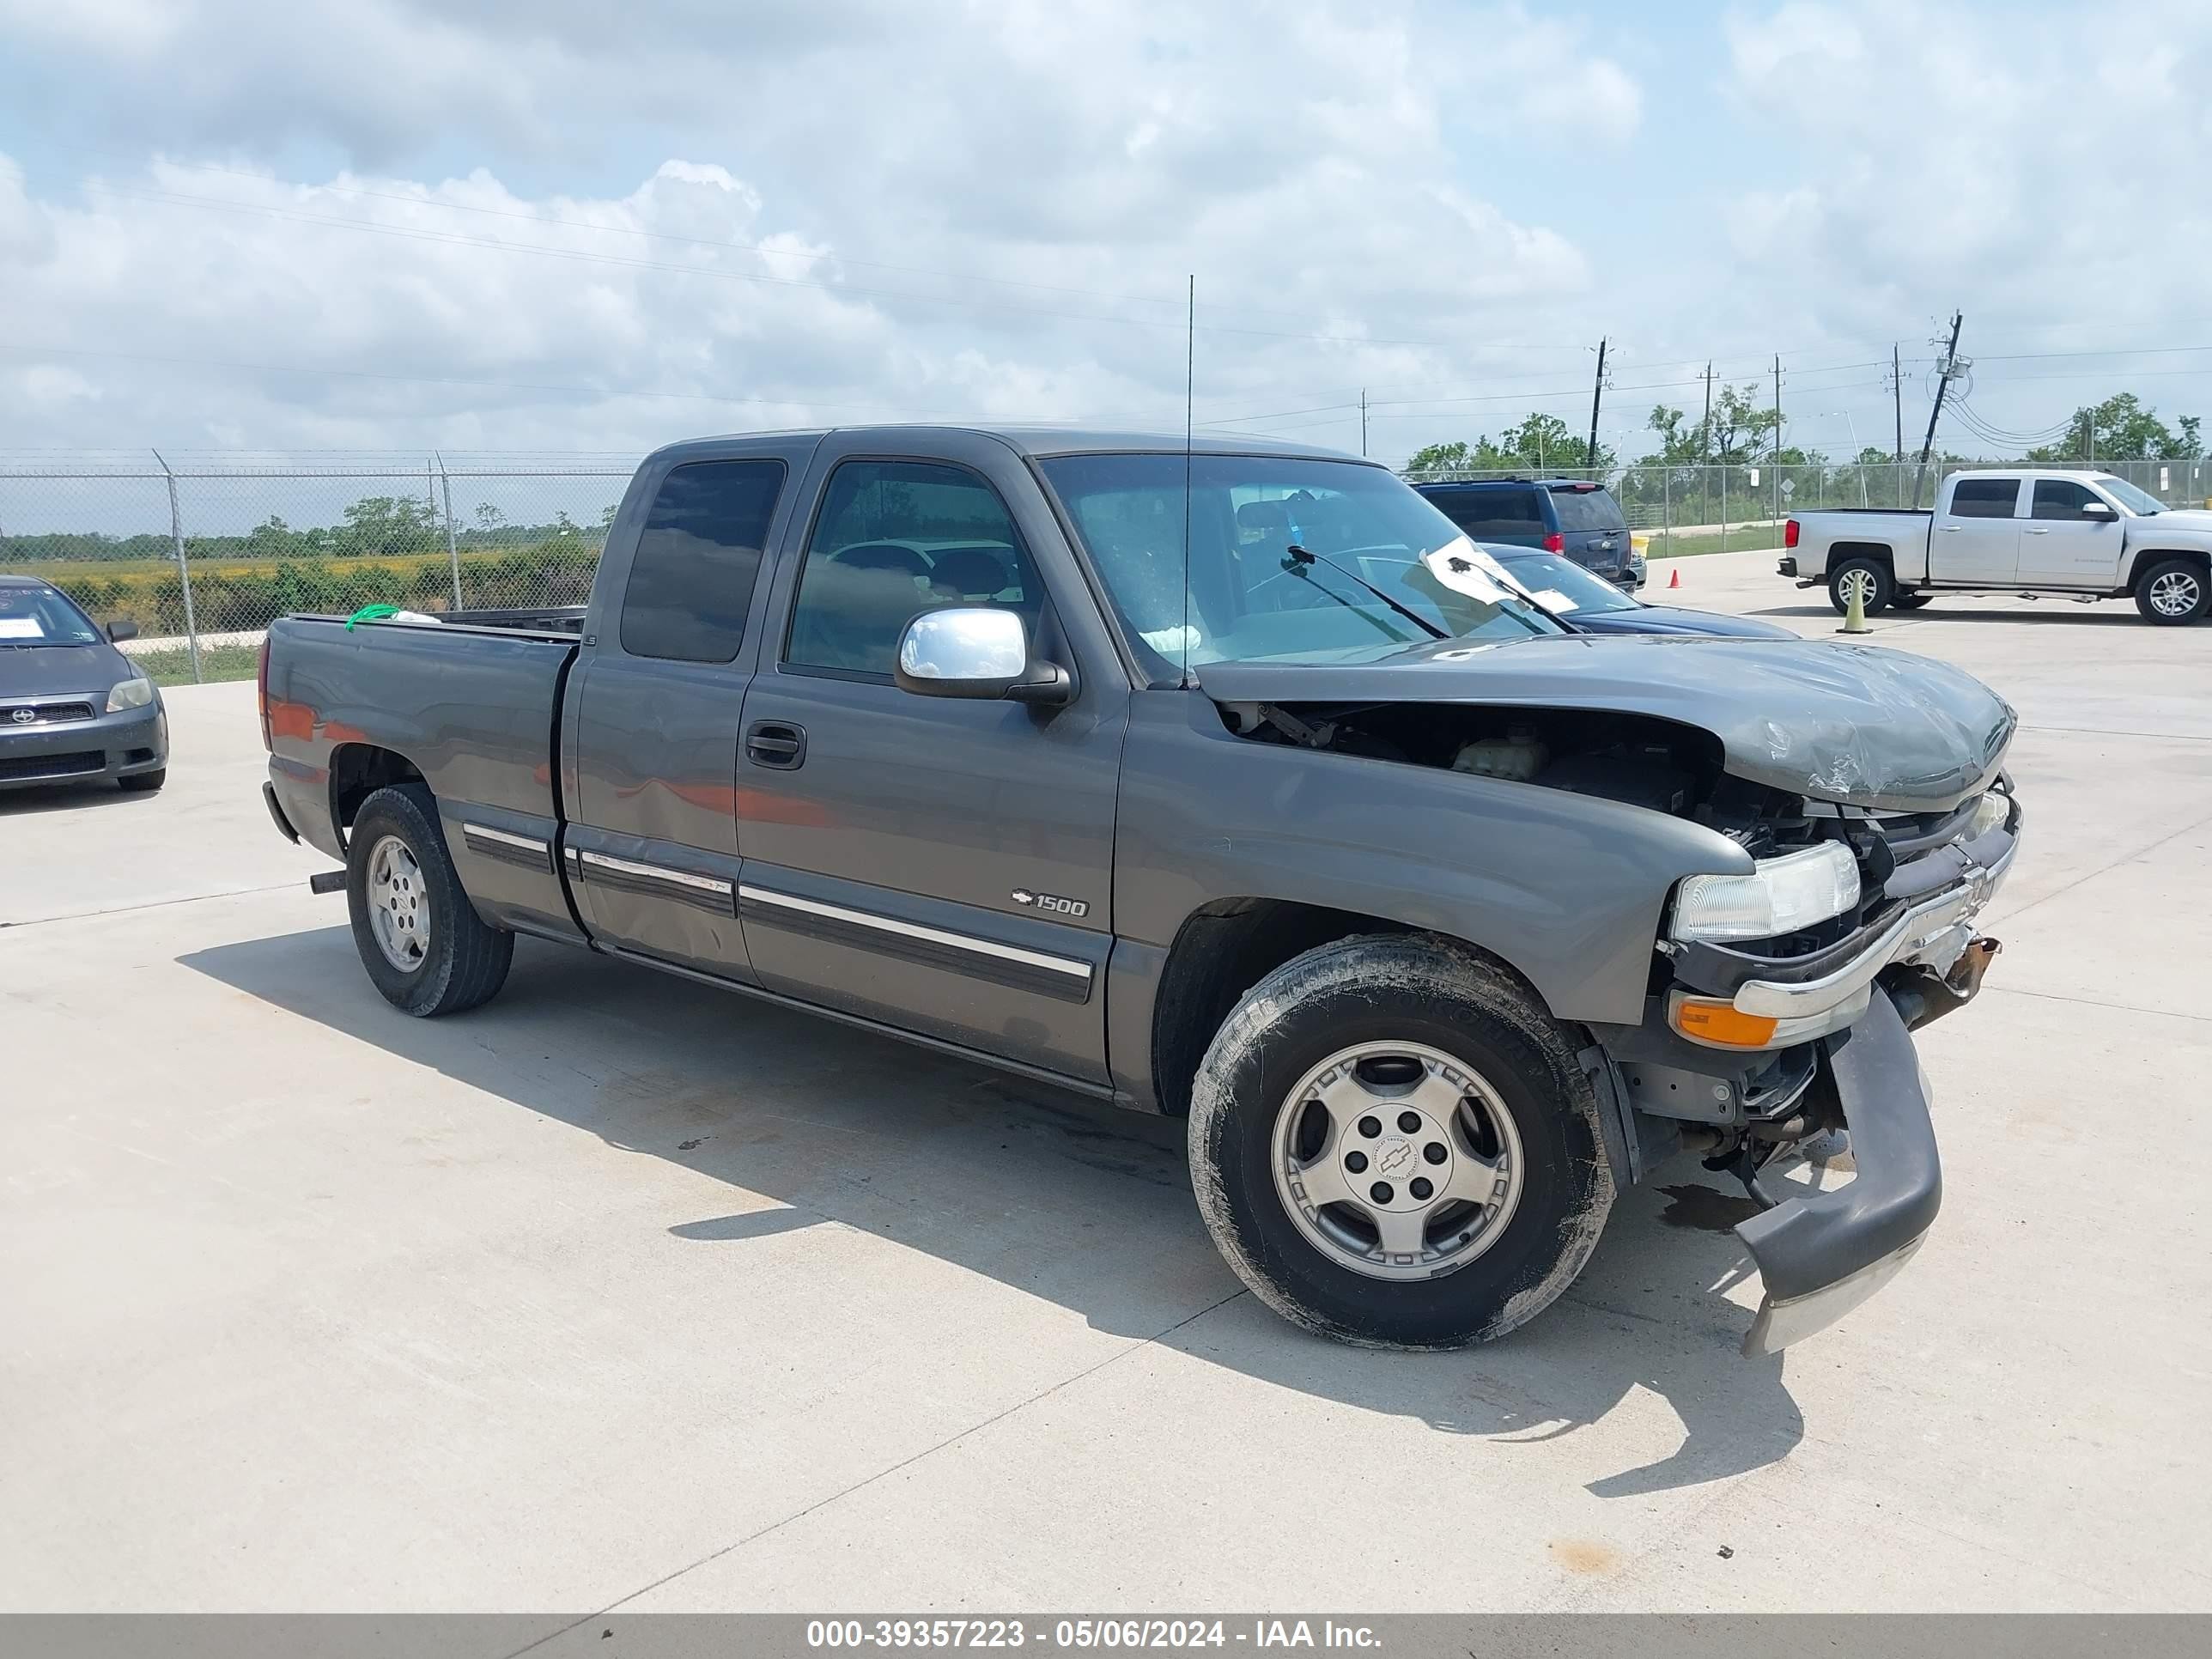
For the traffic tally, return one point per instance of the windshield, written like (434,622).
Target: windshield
(1360,534)
(41,616)
(2135,500)
(1560,585)
(1581,508)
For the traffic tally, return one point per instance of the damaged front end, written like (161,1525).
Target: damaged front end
(1871,825)
(1823,1019)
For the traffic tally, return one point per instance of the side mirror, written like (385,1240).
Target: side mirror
(123,628)
(980,652)
(2098,510)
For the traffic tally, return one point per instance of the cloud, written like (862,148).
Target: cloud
(871,210)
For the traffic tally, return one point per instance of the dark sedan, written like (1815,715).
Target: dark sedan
(1590,604)
(71,705)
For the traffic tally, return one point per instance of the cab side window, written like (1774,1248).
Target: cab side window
(1984,498)
(2062,498)
(691,580)
(894,538)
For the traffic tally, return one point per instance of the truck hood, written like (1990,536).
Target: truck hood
(1853,724)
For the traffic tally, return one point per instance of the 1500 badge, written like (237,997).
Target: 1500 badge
(1052,901)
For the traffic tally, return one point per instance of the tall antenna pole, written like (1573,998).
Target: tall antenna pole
(1597,390)
(1944,371)
(1189,421)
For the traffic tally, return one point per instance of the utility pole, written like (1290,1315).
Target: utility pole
(1897,396)
(1363,421)
(1598,392)
(1947,367)
(1777,435)
(1706,451)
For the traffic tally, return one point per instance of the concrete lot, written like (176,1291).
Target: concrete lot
(624,1292)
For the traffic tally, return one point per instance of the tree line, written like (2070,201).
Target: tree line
(1739,432)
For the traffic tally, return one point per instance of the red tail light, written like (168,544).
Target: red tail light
(1789,533)
(1555,543)
(261,693)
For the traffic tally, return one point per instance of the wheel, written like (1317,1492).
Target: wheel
(1909,601)
(419,937)
(145,782)
(1393,1144)
(2171,591)
(1869,578)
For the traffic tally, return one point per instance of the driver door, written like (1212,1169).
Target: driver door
(940,865)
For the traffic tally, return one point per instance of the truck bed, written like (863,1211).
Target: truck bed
(471,706)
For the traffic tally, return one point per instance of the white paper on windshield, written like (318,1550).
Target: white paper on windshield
(20,628)
(1554,601)
(1462,567)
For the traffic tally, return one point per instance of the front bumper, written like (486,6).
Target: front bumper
(66,750)
(1821,1256)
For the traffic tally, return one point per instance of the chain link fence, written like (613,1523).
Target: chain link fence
(1710,509)
(203,558)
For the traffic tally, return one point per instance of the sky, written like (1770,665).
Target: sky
(566,228)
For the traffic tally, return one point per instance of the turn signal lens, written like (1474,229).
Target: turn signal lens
(1708,1019)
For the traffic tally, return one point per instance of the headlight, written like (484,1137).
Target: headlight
(129,694)
(1991,812)
(1782,896)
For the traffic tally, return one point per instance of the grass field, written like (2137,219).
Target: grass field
(1739,538)
(173,666)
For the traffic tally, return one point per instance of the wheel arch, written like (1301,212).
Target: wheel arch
(1881,552)
(2144,560)
(358,770)
(1227,945)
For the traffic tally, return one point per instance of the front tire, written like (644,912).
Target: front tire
(2171,592)
(1872,579)
(1393,1144)
(1909,601)
(422,941)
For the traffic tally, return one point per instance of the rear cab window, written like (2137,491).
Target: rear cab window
(691,579)
(1581,508)
(1984,498)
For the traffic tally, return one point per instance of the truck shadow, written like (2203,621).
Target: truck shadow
(811,1124)
(2118,613)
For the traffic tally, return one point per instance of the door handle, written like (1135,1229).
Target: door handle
(777,745)
(1951,529)
(2045,531)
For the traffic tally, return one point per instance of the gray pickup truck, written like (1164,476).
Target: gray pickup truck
(1225,781)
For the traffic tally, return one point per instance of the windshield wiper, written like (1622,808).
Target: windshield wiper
(1300,556)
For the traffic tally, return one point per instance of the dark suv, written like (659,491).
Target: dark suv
(1560,515)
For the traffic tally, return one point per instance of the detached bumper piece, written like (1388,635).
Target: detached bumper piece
(1821,1256)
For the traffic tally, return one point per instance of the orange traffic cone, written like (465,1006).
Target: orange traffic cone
(1674,577)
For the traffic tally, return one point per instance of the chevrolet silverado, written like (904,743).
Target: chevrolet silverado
(1225,781)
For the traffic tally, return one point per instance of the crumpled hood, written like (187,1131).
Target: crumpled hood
(1856,724)
(42,670)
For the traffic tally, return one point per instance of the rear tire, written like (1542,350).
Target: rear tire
(1428,1089)
(1870,576)
(424,946)
(2172,591)
(144,782)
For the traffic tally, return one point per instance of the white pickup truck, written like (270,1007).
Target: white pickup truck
(2087,535)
